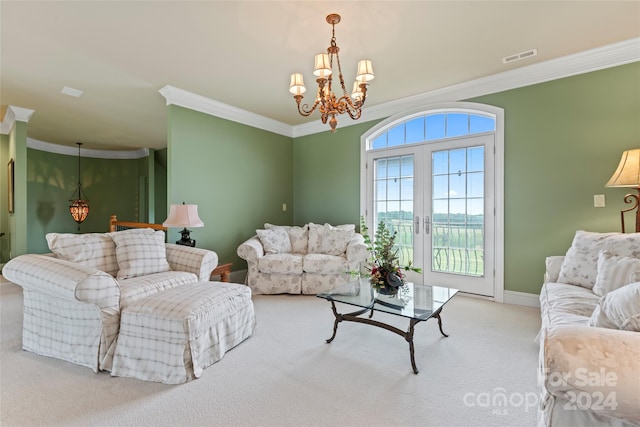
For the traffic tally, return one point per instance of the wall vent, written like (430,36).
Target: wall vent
(519,56)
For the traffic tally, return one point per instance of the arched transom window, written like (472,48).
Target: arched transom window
(431,127)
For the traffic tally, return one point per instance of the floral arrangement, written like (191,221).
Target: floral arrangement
(386,275)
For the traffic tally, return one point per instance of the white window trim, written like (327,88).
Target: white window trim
(468,107)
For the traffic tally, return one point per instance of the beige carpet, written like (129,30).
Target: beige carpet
(285,374)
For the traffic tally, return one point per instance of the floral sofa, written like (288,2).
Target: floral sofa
(310,259)
(74,296)
(589,362)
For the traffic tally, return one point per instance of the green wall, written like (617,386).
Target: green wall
(327,176)
(239,177)
(17,220)
(160,186)
(111,185)
(563,140)
(4,215)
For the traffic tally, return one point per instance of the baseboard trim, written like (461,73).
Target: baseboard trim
(521,298)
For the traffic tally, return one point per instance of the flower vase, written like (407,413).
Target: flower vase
(388,290)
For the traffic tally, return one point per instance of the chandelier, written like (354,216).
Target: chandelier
(326,101)
(79,207)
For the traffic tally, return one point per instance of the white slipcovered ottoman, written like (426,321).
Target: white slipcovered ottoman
(172,336)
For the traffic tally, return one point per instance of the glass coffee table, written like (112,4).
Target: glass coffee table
(416,302)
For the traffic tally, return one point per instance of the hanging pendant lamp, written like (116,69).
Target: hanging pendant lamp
(79,207)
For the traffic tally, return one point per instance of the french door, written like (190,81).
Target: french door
(439,198)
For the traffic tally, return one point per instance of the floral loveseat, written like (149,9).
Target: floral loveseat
(73,297)
(309,259)
(590,335)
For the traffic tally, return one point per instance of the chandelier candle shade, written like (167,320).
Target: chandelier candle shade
(326,101)
(628,175)
(79,207)
(184,216)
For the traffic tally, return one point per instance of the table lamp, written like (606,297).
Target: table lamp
(184,216)
(628,175)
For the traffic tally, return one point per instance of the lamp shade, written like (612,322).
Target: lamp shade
(322,67)
(183,216)
(365,71)
(356,93)
(297,84)
(628,172)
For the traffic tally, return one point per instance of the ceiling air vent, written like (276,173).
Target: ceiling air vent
(519,56)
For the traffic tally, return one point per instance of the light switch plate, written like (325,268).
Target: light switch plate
(598,201)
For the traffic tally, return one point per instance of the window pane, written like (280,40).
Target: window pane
(475,184)
(435,126)
(480,124)
(393,210)
(457,160)
(475,159)
(440,162)
(381,190)
(457,207)
(393,189)
(440,211)
(406,189)
(457,124)
(476,211)
(415,130)
(393,167)
(440,186)
(407,210)
(406,169)
(396,135)
(380,142)
(457,185)
(381,169)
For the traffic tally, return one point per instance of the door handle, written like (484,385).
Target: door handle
(417,225)
(427,223)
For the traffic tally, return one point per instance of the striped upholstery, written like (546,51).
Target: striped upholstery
(201,262)
(172,336)
(140,254)
(92,250)
(137,288)
(72,311)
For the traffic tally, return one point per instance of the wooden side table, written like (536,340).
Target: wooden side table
(224,271)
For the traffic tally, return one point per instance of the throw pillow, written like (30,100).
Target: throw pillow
(275,240)
(614,272)
(619,309)
(580,263)
(328,239)
(299,237)
(140,253)
(95,250)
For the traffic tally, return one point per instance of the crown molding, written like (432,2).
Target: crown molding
(14,114)
(192,101)
(612,55)
(86,152)
(7,122)
(21,114)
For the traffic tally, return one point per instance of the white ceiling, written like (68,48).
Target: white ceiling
(241,53)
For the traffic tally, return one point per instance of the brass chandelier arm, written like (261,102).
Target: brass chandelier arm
(304,109)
